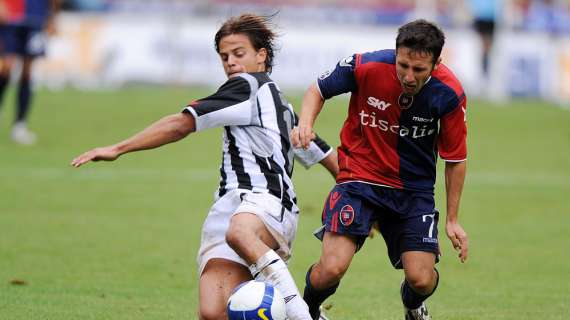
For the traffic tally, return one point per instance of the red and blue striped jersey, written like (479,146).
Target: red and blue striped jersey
(32,13)
(391,139)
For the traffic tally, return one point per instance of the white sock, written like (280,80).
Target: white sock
(272,269)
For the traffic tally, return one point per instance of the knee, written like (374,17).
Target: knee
(239,237)
(234,238)
(331,271)
(208,313)
(422,282)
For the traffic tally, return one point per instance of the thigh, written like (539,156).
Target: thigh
(217,282)
(213,243)
(276,225)
(418,265)
(349,212)
(336,256)
(417,233)
(338,250)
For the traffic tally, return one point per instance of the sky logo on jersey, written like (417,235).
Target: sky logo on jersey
(377,103)
(346,215)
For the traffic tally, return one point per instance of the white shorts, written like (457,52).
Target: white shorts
(281,223)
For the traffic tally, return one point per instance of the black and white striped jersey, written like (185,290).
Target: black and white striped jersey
(257,151)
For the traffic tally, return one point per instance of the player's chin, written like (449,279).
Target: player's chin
(410,90)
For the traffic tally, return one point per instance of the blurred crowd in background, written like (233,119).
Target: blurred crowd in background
(498,48)
(551,16)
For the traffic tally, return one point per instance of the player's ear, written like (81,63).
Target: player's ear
(261,56)
(437,63)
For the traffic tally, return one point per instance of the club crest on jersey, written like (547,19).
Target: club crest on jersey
(405,101)
(346,215)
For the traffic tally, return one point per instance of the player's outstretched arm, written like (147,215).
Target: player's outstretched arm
(454,179)
(166,130)
(302,135)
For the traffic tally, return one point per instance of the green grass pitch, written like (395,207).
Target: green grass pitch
(119,240)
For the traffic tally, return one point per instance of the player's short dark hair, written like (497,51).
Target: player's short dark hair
(421,36)
(259,30)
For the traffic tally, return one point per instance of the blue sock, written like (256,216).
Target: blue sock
(24,99)
(314,297)
(413,300)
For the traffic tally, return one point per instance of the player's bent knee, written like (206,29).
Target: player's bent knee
(237,237)
(422,283)
(334,271)
(209,313)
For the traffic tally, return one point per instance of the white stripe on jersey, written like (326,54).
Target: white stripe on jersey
(257,153)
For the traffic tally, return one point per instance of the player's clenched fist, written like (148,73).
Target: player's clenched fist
(302,136)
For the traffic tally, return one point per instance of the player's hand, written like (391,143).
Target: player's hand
(458,238)
(105,154)
(302,136)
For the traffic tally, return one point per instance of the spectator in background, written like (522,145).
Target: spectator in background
(484,21)
(24,28)
(547,16)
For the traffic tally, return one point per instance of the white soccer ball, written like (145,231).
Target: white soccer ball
(256,300)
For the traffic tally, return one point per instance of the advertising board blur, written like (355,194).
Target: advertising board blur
(109,51)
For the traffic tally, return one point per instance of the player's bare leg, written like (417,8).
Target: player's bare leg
(6,64)
(249,237)
(217,282)
(324,277)
(421,279)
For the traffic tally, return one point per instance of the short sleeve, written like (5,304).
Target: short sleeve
(340,80)
(232,104)
(452,139)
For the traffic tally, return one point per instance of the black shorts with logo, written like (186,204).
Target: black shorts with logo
(407,219)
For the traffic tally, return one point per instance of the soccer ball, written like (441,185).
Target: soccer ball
(256,300)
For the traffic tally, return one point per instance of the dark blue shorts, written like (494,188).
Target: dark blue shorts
(23,41)
(407,219)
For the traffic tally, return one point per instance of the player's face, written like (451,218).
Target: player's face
(413,69)
(238,55)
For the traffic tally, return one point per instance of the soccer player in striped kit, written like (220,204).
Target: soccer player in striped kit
(405,108)
(250,228)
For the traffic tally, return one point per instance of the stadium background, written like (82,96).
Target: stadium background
(118,241)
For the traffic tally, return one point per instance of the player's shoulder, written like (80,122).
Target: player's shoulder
(387,56)
(247,82)
(447,79)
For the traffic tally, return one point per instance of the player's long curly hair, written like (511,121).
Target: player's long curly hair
(421,36)
(259,30)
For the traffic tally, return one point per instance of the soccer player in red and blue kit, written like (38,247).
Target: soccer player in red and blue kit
(405,108)
(23,26)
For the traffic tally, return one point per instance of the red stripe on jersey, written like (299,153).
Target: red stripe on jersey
(334,222)
(369,137)
(15,10)
(451,142)
(445,75)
